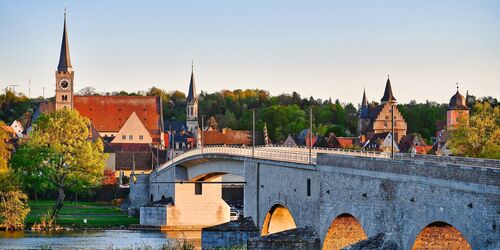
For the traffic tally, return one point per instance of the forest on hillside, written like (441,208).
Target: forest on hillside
(284,114)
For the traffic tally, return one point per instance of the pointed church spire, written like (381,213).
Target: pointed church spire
(64,60)
(388,96)
(364,102)
(192,88)
(364,111)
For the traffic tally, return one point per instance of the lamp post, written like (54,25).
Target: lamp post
(173,142)
(392,130)
(310,134)
(202,132)
(253,133)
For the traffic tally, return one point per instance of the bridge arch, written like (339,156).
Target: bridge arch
(440,235)
(442,220)
(207,169)
(344,230)
(278,218)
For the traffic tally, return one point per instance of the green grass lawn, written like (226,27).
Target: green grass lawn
(102,215)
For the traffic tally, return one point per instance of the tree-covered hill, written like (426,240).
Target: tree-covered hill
(284,114)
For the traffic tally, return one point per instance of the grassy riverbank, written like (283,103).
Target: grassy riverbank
(98,215)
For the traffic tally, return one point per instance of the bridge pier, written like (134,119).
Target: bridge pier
(293,186)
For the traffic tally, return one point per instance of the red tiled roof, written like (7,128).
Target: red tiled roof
(346,142)
(423,149)
(231,137)
(109,113)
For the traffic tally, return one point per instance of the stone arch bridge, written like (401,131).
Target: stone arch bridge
(415,201)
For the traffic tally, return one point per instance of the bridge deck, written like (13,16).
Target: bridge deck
(304,155)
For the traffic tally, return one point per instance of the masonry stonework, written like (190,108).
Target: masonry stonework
(397,199)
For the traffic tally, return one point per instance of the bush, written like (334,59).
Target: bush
(13,209)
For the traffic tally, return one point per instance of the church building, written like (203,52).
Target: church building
(134,119)
(377,119)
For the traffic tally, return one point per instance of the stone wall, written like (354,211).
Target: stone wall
(269,184)
(162,184)
(296,239)
(394,197)
(403,197)
(153,216)
(139,192)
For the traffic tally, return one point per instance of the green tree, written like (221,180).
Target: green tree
(478,136)
(283,120)
(31,166)
(62,140)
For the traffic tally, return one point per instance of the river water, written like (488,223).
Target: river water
(94,239)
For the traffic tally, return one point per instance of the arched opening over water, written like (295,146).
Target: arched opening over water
(345,230)
(440,235)
(278,219)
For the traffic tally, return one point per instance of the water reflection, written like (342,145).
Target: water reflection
(95,239)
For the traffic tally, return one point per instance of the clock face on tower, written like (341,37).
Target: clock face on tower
(64,84)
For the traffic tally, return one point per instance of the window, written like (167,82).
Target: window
(308,187)
(130,137)
(141,137)
(198,189)
(124,137)
(64,97)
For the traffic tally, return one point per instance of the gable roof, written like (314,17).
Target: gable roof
(340,142)
(410,141)
(109,113)
(376,140)
(321,142)
(290,141)
(133,126)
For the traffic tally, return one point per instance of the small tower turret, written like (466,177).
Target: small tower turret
(456,109)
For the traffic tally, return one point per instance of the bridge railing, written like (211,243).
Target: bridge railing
(300,154)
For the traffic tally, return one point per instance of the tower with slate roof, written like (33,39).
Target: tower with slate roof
(192,107)
(64,75)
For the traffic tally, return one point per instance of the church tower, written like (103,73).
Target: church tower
(64,75)
(456,109)
(192,107)
(364,115)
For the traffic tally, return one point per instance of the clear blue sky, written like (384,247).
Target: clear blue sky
(320,48)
